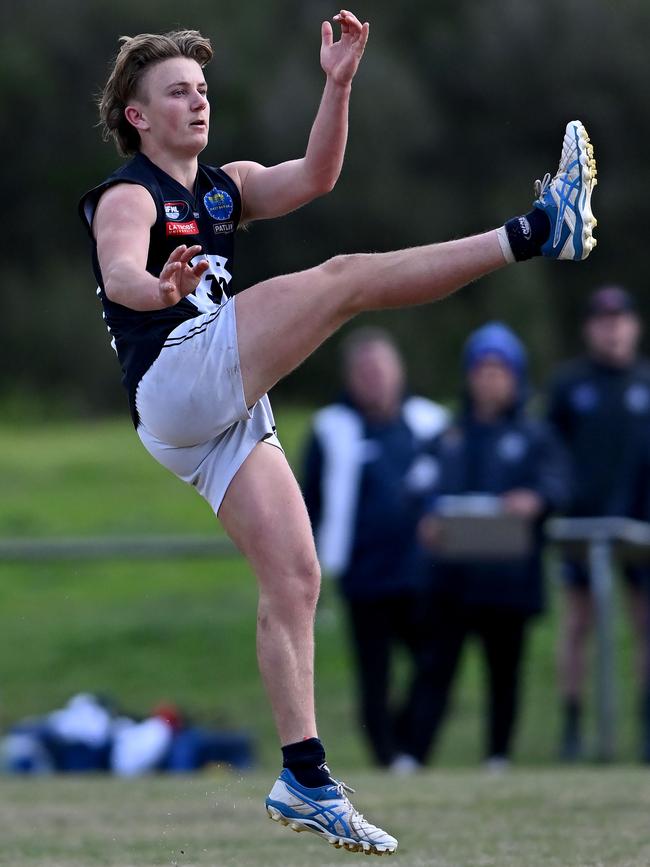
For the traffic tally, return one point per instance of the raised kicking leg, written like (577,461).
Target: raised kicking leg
(281,321)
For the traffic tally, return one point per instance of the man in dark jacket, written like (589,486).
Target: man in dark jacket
(600,407)
(366,474)
(497,454)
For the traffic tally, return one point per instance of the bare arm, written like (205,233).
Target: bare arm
(276,190)
(124,217)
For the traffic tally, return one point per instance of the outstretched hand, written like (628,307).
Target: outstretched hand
(340,60)
(178,278)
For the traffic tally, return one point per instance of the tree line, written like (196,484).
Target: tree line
(457,108)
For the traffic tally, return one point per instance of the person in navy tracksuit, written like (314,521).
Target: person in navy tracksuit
(367,472)
(599,405)
(493,448)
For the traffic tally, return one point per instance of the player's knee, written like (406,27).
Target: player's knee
(293,588)
(306,582)
(341,273)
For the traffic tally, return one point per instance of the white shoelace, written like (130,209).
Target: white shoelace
(542,186)
(357,818)
(342,787)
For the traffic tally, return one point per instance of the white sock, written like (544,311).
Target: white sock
(504,243)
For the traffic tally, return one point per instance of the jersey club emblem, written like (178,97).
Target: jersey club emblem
(218,204)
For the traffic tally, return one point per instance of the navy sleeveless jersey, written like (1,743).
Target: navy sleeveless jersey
(207,216)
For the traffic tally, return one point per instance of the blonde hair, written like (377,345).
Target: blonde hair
(135,56)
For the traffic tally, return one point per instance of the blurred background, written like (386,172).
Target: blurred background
(456,109)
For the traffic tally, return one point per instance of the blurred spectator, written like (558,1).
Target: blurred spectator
(74,739)
(365,475)
(88,735)
(494,453)
(600,406)
(141,746)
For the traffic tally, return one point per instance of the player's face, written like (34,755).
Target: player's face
(492,386)
(613,338)
(174,111)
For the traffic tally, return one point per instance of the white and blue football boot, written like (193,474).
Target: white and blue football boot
(327,812)
(566,198)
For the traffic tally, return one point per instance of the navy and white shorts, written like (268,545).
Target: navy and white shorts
(193,415)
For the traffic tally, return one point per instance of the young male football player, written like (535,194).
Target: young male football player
(198,362)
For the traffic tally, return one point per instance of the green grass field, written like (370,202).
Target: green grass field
(545,818)
(183,630)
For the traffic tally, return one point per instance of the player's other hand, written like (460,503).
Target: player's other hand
(178,278)
(341,59)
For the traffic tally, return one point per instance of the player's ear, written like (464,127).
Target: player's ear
(135,117)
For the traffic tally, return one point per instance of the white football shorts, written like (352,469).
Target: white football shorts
(193,415)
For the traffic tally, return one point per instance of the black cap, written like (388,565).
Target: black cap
(609,300)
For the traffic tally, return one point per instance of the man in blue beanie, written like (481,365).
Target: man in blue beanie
(495,341)
(493,450)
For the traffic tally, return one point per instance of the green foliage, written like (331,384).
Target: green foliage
(456,109)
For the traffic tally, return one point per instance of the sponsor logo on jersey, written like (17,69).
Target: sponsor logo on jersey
(177,210)
(218,204)
(190,228)
(223,228)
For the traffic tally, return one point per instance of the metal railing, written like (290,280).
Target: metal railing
(601,542)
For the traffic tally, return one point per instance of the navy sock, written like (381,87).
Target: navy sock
(527,234)
(306,761)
